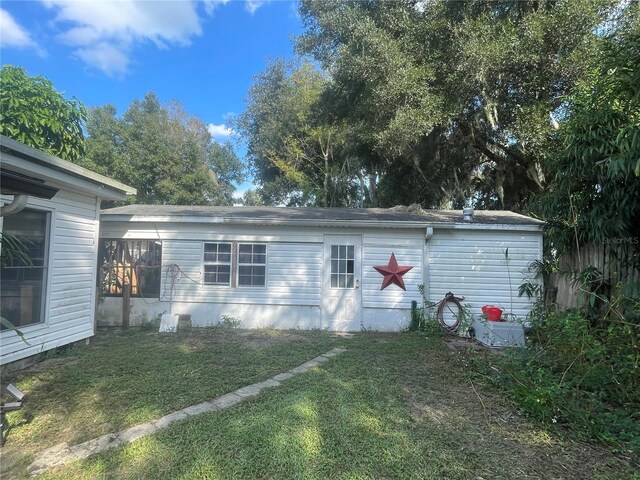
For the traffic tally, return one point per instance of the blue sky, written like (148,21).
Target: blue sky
(202,53)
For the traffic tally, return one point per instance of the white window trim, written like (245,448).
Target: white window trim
(204,263)
(266,262)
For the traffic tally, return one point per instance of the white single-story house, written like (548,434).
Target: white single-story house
(49,219)
(325,268)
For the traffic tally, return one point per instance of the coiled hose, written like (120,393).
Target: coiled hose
(447,302)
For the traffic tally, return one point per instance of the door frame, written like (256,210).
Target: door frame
(339,298)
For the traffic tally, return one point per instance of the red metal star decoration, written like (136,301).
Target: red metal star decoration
(392,273)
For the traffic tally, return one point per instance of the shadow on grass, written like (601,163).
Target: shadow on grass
(129,378)
(357,416)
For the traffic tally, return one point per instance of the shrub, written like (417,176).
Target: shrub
(581,374)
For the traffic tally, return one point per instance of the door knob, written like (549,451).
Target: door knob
(357,283)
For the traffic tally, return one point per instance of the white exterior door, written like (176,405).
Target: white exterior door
(342,269)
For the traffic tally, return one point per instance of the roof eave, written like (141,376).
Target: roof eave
(102,186)
(106,217)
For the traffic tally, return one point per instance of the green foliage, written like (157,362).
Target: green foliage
(229,322)
(295,152)
(250,198)
(165,153)
(33,112)
(582,373)
(14,249)
(594,195)
(444,102)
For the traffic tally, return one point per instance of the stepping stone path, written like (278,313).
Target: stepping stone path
(63,453)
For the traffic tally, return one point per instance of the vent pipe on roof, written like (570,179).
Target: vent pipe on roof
(467,214)
(16,206)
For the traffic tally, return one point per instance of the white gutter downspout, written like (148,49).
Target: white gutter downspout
(16,206)
(425,265)
(428,234)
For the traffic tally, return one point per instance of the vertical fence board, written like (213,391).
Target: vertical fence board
(609,260)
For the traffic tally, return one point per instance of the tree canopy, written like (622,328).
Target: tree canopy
(594,195)
(438,103)
(297,155)
(167,154)
(33,112)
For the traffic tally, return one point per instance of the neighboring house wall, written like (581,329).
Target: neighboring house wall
(69,299)
(472,264)
(295,287)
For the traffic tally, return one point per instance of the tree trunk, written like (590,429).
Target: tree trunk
(373,191)
(326,179)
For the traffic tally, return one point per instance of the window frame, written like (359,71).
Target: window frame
(217,263)
(47,260)
(346,273)
(239,264)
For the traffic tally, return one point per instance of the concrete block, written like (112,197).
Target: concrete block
(167,420)
(227,400)
(283,376)
(249,390)
(96,445)
(200,408)
(270,383)
(134,433)
(56,455)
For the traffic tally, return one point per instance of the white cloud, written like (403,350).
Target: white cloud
(104,32)
(253,5)
(211,5)
(105,57)
(14,35)
(218,131)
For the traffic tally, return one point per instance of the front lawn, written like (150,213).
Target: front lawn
(391,406)
(123,379)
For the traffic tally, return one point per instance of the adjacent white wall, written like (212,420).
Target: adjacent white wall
(69,303)
(472,264)
(469,263)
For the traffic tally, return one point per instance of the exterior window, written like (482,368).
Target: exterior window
(342,266)
(217,264)
(130,262)
(24,262)
(252,264)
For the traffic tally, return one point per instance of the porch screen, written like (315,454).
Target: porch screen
(130,262)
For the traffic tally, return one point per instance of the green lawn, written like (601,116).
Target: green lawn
(392,406)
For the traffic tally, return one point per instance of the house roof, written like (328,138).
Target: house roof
(407,217)
(34,166)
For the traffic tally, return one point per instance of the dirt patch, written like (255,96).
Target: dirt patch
(51,363)
(253,340)
(196,340)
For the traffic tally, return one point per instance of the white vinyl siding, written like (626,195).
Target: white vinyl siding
(70,286)
(407,245)
(472,264)
(293,276)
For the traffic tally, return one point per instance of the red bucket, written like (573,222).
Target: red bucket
(492,312)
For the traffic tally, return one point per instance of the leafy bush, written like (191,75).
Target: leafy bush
(580,374)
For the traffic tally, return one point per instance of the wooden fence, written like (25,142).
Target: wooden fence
(611,260)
